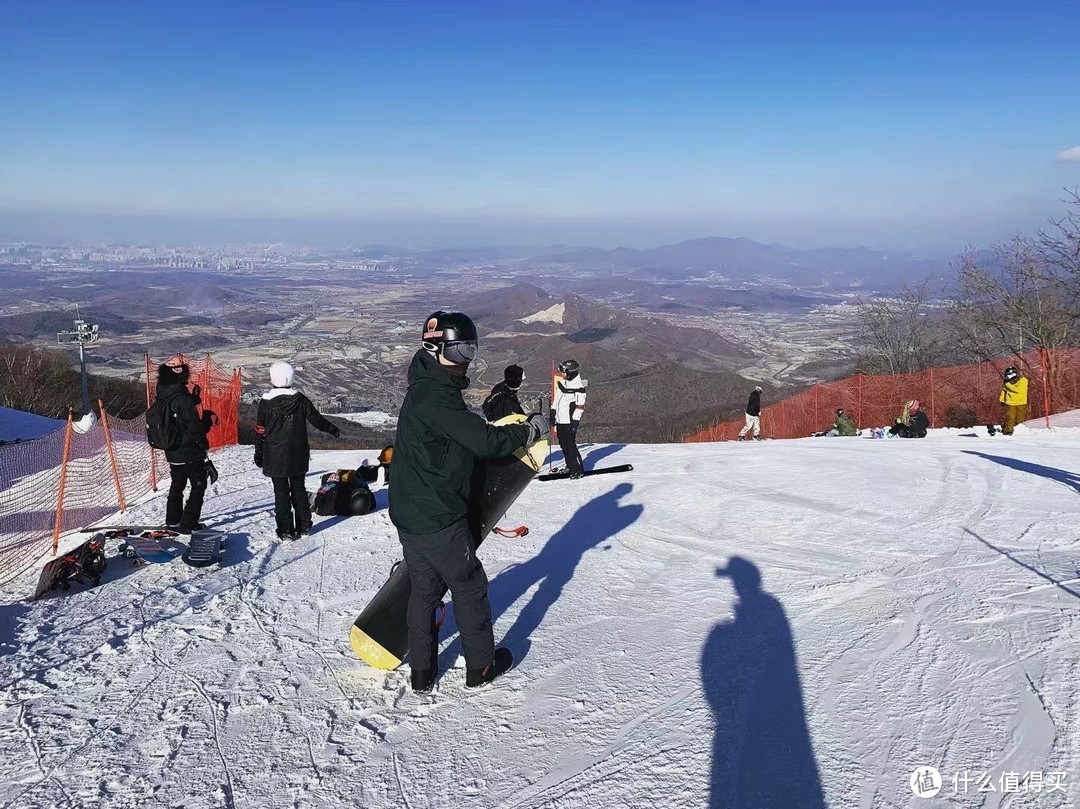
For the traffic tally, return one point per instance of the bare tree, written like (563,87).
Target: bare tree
(1010,301)
(902,334)
(1059,248)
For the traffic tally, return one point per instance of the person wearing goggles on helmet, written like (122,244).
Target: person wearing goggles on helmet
(438,443)
(1014,397)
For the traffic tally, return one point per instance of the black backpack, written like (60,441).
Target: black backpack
(163,429)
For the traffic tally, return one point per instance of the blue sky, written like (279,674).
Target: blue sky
(910,124)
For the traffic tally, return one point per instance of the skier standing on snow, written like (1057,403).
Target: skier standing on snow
(188,459)
(753,415)
(282,451)
(569,404)
(503,399)
(1014,397)
(438,442)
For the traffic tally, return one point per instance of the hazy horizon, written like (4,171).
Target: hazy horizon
(77,228)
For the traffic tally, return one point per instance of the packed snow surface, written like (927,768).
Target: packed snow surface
(775,624)
(20,425)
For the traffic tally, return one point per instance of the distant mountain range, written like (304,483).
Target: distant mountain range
(744,259)
(650,380)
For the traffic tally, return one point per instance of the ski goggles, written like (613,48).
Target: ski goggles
(460,352)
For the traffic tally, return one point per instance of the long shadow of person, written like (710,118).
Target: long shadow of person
(1063,476)
(553,568)
(599,453)
(762,753)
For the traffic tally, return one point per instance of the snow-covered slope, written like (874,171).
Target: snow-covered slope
(747,625)
(20,425)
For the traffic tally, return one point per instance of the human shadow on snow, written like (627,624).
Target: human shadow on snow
(593,524)
(1070,479)
(596,455)
(762,754)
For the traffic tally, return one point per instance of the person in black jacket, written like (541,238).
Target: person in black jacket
(753,415)
(912,422)
(281,449)
(503,399)
(187,462)
(438,442)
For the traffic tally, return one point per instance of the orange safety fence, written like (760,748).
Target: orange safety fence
(69,479)
(876,401)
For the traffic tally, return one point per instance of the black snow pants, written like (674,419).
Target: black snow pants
(567,434)
(447,559)
(186,515)
(291,497)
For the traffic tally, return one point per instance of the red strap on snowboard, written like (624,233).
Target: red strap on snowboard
(440,616)
(513,533)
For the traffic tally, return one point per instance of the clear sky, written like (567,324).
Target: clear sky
(921,125)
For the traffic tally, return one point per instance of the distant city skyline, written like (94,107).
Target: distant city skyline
(919,126)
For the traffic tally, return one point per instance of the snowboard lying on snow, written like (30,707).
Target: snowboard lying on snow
(380,636)
(603,470)
(156,545)
(84,563)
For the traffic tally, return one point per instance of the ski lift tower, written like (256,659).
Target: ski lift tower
(84,333)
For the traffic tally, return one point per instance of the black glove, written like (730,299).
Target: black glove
(212,473)
(539,427)
(258,459)
(196,394)
(334,431)
(551,415)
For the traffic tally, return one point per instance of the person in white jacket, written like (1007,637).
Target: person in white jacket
(569,404)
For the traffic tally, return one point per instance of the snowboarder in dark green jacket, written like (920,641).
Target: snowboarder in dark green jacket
(438,442)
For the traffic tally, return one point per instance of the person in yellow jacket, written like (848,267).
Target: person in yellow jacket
(1013,396)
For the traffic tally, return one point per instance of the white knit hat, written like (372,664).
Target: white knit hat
(281,375)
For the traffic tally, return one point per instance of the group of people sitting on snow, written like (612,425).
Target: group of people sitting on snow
(913,421)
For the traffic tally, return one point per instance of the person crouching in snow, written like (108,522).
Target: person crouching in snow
(753,415)
(1014,396)
(281,449)
(912,423)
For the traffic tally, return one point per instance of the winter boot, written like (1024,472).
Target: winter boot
(187,529)
(503,662)
(423,680)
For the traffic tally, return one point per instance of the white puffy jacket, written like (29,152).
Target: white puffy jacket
(569,399)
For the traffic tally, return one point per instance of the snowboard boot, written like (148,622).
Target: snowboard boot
(187,529)
(503,662)
(423,680)
(288,535)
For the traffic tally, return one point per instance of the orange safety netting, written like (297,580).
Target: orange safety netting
(68,480)
(876,401)
(219,391)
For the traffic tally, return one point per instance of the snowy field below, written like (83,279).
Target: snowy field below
(778,624)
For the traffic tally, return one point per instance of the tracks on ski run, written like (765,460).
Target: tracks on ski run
(236,686)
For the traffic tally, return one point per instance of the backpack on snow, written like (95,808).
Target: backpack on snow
(163,429)
(343,494)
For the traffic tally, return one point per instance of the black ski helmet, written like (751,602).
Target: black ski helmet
(569,368)
(1011,374)
(839,411)
(451,335)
